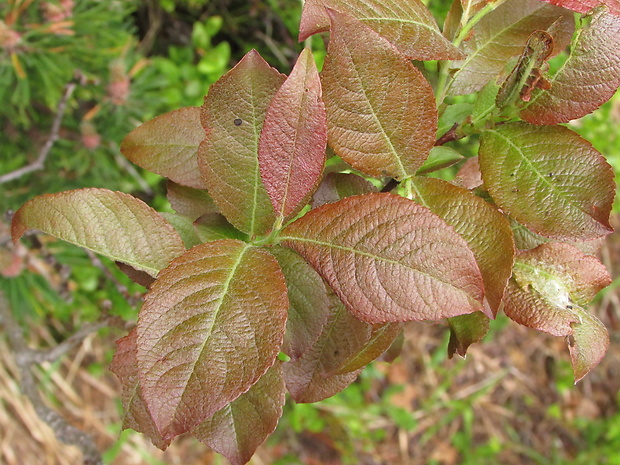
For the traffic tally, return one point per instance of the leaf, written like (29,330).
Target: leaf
(388,258)
(189,202)
(584,6)
(240,427)
(466,330)
(550,286)
(381,112)
(167,145)
(486,231)
(549,179)
(214,226)
(336,186)
(440,157)
(135,412)
(109,223)
(184,226)
(309,304)
(589,77)
(210,327)
(405,23)
(233,115)
(501,35)
(380,339)
(311,378)
(291,149)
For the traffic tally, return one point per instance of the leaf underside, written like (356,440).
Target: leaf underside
(389,259)
(210,327)
(408,24)
(109,223)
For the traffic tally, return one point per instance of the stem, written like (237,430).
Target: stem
(474,20)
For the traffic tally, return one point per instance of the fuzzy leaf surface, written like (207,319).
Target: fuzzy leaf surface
(240,427)
(389,259)
(589,77)
(408,24)
(233,116)
(381,111)
(549,179)
(291,149)
(109,223)
(167,145)
(550,287)
(311,378)
(501,35)
(135,412)
(484,228)
(309,303)
(210,327)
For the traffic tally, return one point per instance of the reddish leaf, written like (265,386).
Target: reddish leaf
(484,228)
(584,6)
(336,186)
(550,286)
(189,202)
(389,259)
(589,78)
(211,325)
(406,23)
(135,412)
(291,150)
(309,304)
(310,378)
(240,427)
(109,223)
(380,110)
(501,35)
(549,179)
(167,145)
(233,115)
(465,330)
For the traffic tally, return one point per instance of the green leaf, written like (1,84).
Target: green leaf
(291,149)
(501,35)
(381,112)
(311,378)
(440,157)
(309,304)
(389,259)
(167,145)
(233,115)
(210,327)
(589,77)
(406,23)
(465,330)
(214,226)
(549,179)
(486,230)
(184,226)
(135,412)
(240,427)
(109,223)
(550,286)
(189,202)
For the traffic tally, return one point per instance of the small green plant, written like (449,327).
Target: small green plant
(275,275)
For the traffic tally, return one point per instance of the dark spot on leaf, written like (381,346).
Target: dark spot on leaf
(307,90)
(569,307)
(571,340)
(512,174)
(238,121)
(336,352)
(515,190)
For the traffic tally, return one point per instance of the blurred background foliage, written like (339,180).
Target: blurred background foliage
(511,402)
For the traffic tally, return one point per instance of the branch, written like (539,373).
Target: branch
(25,358)
(39,163)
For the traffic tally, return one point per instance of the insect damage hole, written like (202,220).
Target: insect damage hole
(238,121)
